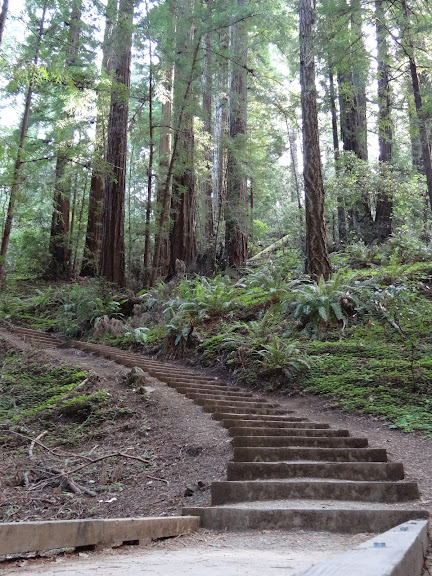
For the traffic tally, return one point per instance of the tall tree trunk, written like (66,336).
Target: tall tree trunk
(164,201)
(384,207)
(97,183)
(3,17)
(236,221)
(113,247)
(409,49)
(208,152)
(147,271)
(166,193)
(352,103)
(342,231)
(18,160)
(183,233)
(59,247)
(317,258)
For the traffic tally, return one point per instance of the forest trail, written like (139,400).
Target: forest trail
(288,472)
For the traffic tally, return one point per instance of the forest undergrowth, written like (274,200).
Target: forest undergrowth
(361,338)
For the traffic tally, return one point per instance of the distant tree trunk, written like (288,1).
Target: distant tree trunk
(342,231)
(166,193)
(164,201)
(384,207)
(183,233)
(60,265)
(352,103)
(113,247)
(236,221)
(18,160)
(317,258)
(426,152)
(3,17)
(97,183)
(147,271)
(207,112)
(220,139)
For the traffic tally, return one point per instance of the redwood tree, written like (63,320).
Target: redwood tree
(97,182)
(236,204)
(317,258)
(3,16)
(384,207)
(112,265)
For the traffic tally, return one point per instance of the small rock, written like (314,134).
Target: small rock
(189,491)
(136,378)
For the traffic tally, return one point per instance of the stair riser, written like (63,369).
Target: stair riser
(231,492)
(198,389)
(268,422)
(348,521)
(287,441)
(356,471)
(223,396)
(288,430)
(315,454)
(239,405)
(233,410)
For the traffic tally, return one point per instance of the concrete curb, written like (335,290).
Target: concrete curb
(399,552)
(20,537)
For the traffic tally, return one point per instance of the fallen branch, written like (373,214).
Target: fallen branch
(33,442)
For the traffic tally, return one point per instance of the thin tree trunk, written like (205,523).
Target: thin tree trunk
(384,207)
(164,162)
(426,152)
(147,271)
(342,231)
(317,258)
(237,205)
(80,226)
(207,112)
(113,248)
(59,247)
(97,183)
(3,17)
(18,161)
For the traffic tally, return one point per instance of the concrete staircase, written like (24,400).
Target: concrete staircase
(287,472)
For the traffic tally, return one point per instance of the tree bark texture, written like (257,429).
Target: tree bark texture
(113,248)
(3,17)
(384,206)
(426,152)
(97,183)
(236,210)
(342,231)
(18,161)
(183,233)
(60,265)
(317,258)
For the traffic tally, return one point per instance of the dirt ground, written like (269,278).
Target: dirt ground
(189,451)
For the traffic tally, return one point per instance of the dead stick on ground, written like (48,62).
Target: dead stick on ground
(158,479)
(33,442)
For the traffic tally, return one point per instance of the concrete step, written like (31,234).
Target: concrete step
(317,516)
(270,421)
(361,471)
(288,430)
(310,489)
(284,441)
(310,454)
